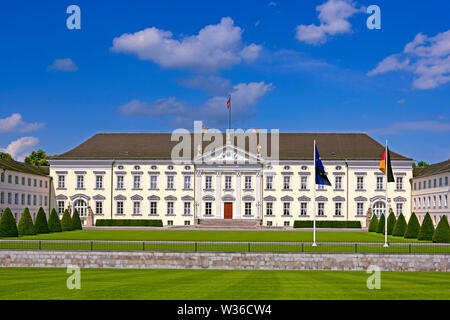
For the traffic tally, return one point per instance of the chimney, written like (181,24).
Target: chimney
(204,130)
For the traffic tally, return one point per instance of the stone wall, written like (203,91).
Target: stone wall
(220,260)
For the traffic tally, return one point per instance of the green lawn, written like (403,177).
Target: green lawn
(203,235)
(33,283)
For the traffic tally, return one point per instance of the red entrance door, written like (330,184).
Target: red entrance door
(228,210)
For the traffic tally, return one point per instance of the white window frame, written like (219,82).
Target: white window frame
(153,182)
(61,181)
(247,208)
(99,207)
(399,209)
(269,208)
(208,182)
(286,208)
(61,206)
(247,182)
(80,181)
(303,208)
(137,182)
(120,207)
(338,209)
(338,182)
(187,208)
(187,182)
(360,208)
(98,182)
(137,208)
(321,209)
(303,183)
(120,182)
(208,208)
(380,183)
(359,182)
(153,208)
(170,182)
(228,182)
(170,208)
(286,182)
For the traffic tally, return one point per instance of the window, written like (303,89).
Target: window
(136,182)
(45,201)
(99,207)
(16,198)
(16,180)
(153,208)
(153,182)
(360,209)
(34,200)
(415,185)
(2,179)
(446,181)
(269,223)
(303,208)
(9,178)
(187,223)
(29,182)
(399,208)
(208,182)
(227,182)
(136,207)
(360,183)
(170,208)
(34,183)
(46,184)
(61,182)
(61,206)
(269,182)
(415,203)
(170,182)
(269,208)
(286,223)
(119,207)
(445,201)
(23,181)
(440,201)
(80,182)
(2,197)
(303,182)
(22,202)
(286,209)
(40,200)
(29,200)
(429,202)
(380,183)
(170,222)
(187,208)
(208,208)
(119,182)
(40,183)
(248,209)
(434,201)
(248,182)
(424,185)
(440,182)
(434,183)
(320,187)
(338,209)
(187,182)
(429,184)
(399,183)
(286,182)
(99,182)
(9,198)
(420,185)
(321,209)
(338,182)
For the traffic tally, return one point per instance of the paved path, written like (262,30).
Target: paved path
(210,228)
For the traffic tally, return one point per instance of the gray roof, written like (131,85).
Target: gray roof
(436,168)
(12,165)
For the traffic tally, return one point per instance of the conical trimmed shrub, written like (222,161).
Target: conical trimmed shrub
(391,223)
(412,230)
(442,232)
(66,221)
(54,225)
(76,222)
(40,224)
(380,227)
(427,229)
(400,226)
(373,224)
(8,226)
(25,226)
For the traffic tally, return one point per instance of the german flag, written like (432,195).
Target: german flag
(229,102)
(390,173)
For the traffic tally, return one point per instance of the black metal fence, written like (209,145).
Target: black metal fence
(218,246)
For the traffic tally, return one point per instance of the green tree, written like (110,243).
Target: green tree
(40,224)
(420,164)
(391,223)
(380,227)
(8,226)
(442,233)
(54,225)
(38,158)
(76,222)
(7,156)
(412,230)
(427,229)
(25,226)
(400,226)
(373,224)
(66,221)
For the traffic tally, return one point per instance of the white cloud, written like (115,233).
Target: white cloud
(14,123)
(214,47)
(401,101)
(66,64)
(399,127)
(427,58)
(212,85)
(213,112)
(333,17)
(20,148)
(272,4)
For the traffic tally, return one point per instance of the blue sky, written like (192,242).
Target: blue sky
(296,66)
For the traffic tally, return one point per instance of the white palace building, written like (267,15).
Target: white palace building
(135,176)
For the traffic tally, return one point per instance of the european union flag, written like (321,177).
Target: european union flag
(321,176)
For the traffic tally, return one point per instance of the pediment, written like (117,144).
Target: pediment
(228,154)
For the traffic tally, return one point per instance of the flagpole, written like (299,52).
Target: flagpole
(229,114)
(387,198)
(314,197)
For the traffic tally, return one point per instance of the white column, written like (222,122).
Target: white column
(219,195)
(258,195)
(238,196)
(198,194)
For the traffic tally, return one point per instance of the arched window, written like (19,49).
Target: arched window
(81,207)
(379,208)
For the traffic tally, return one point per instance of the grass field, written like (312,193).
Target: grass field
(203,235)
(30,283)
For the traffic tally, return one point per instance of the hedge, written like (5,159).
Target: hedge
(54,225)
(327,224)
(391,223)
(380,227)
(412,230)
(442,233)
(373,224)
(40,224)
(400,226)
(128,223)
(8,226)
(66,221)
(25,226)
(427,229)
(76,222)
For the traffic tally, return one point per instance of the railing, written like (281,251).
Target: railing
(278,247)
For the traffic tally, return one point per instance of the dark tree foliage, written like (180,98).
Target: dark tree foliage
(412,230)
(76,222)
(373,224)
(54,225)
(380,227)
(8,226)
(66,221)
(442,233)
(427,229)
(400,226)
(25,226)
(391,223)
(40,224)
